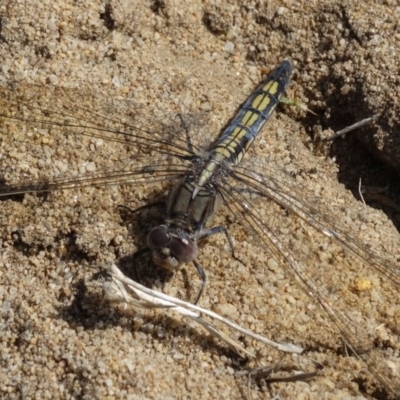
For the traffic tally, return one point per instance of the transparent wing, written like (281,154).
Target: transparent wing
(246,192)
(154,146)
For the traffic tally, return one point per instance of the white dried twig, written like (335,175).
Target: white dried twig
(123,289)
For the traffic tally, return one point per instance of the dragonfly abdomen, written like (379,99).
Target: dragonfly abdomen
(237,138)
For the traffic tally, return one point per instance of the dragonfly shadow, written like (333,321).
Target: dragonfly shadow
(14,197)
(89,310)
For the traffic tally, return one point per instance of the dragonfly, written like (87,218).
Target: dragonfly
(204,178)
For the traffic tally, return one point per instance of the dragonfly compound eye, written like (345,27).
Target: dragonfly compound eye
(157,238)
(185,250)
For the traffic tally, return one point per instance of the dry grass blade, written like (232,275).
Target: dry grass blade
(123,289)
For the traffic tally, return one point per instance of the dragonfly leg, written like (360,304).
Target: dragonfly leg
(158,204)
(203,277)
(221,229)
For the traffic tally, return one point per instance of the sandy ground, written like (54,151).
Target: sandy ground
(59,339)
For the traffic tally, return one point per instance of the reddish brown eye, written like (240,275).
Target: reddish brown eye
(157,238)
(185,250)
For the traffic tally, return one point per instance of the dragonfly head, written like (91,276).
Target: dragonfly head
(170,250)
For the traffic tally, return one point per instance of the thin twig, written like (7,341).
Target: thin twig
(357,125)
(360,192)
